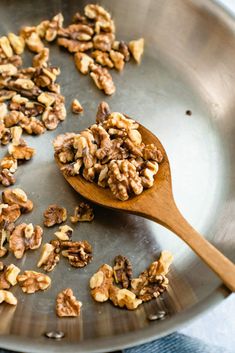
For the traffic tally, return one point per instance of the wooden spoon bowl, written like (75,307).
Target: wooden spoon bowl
(157,204)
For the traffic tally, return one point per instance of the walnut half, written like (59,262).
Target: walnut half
(79,253)
(67,305)
(31,281)
(54,214)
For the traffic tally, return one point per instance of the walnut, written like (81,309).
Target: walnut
(82,213)
(27,109)
(122,47)
(78,253)
(152,152)
(8,297)
(6,177)
(3,238)
(5,135)
(101,282)
(82,62)
(152,282)
(136,48)
(13,118)
(3,111)
(10,213)
(17,43)
(65,233)
(31,281)
(122,270)
(72,169)
(46,76)
(67,305)
(8,70)
(17,197)
(148,172)
(21,151)
(32,126)
(8,276)
(102,79)
(79,32)
(6,46)
(102,18)
(118,59)
(16,132)
(47,98)
(54,214)
(124,298)
(49,257)
(53,115)
(78,18)
(63,141)
(74,46)
(102,58)
(25,237)
(9,163)
(119,121)
(41,59)
(123,178)
(34,42)
(103,112)
(102,170)
(42,27)
(76,107)
(103,42)
(6,95)
(53,27)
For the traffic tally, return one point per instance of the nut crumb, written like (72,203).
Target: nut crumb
(76,107)
(137,49)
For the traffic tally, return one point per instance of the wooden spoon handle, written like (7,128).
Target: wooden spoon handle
(220,264)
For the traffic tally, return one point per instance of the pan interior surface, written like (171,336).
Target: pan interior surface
(188,64)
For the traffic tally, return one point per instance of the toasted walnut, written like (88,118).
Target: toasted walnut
(76,107)
(82,62)
(9,276)
(122,270)
(102,58)
(9,213)
(103,112)
(4,284)
(102,18)
(8,297)
(21,151)
(3,239)
(80,32)
(72,169)
(82,213)
(49,257)
(8,70)
(16,132)
(53,27)
(9,163)
(103,42)
(31,281)
(102,79)
(67,305)
(41,59)
(32,126)
(74,46)
(53,115)
(65,233)
(78,253)
(17,43)
(34,42)
(3,111)
(24,83)
(152,152)
(17,197)
(63,141)
(47,98)
(6,46)
(5,135)
(124,298)
(46,76)
(122,47)
(118,59)
(78,18)
(101,282)
(13,118)
(54,214)
(6,177)
(152,282)
(25,237)
(137,48)
(147,174)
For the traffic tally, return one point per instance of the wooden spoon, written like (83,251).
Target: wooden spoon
(157,204)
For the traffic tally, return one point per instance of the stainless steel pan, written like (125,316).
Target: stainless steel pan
(188,65)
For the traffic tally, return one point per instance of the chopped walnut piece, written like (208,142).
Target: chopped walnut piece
(102,79)
(17,43)
(80,32)
(6,177)
(31,281)
(41,59)
(102,58)
(78,253)
(21,151)
(152,152)
(82,213)
(82,62)
(9,163)
(153,281)
(3,111)
(103,42)
(49,257)
(54,114)
(9,213)
(118,59)
(6,228)
(74,46)
(5,135)
(16,132)
(103,112)
(32,126)
(54,214)
(65,233)
(34,42)
(101,282)
(53,27)
(17,197)
(25,237)
(47,98)
(4,284)
(6,95)
(8,297)
(13,118)
(6,46)
(122,47)
(124,298)
(102,18)
(137,48)
(67,305)
(11,272)
(122,270)
(76,107)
